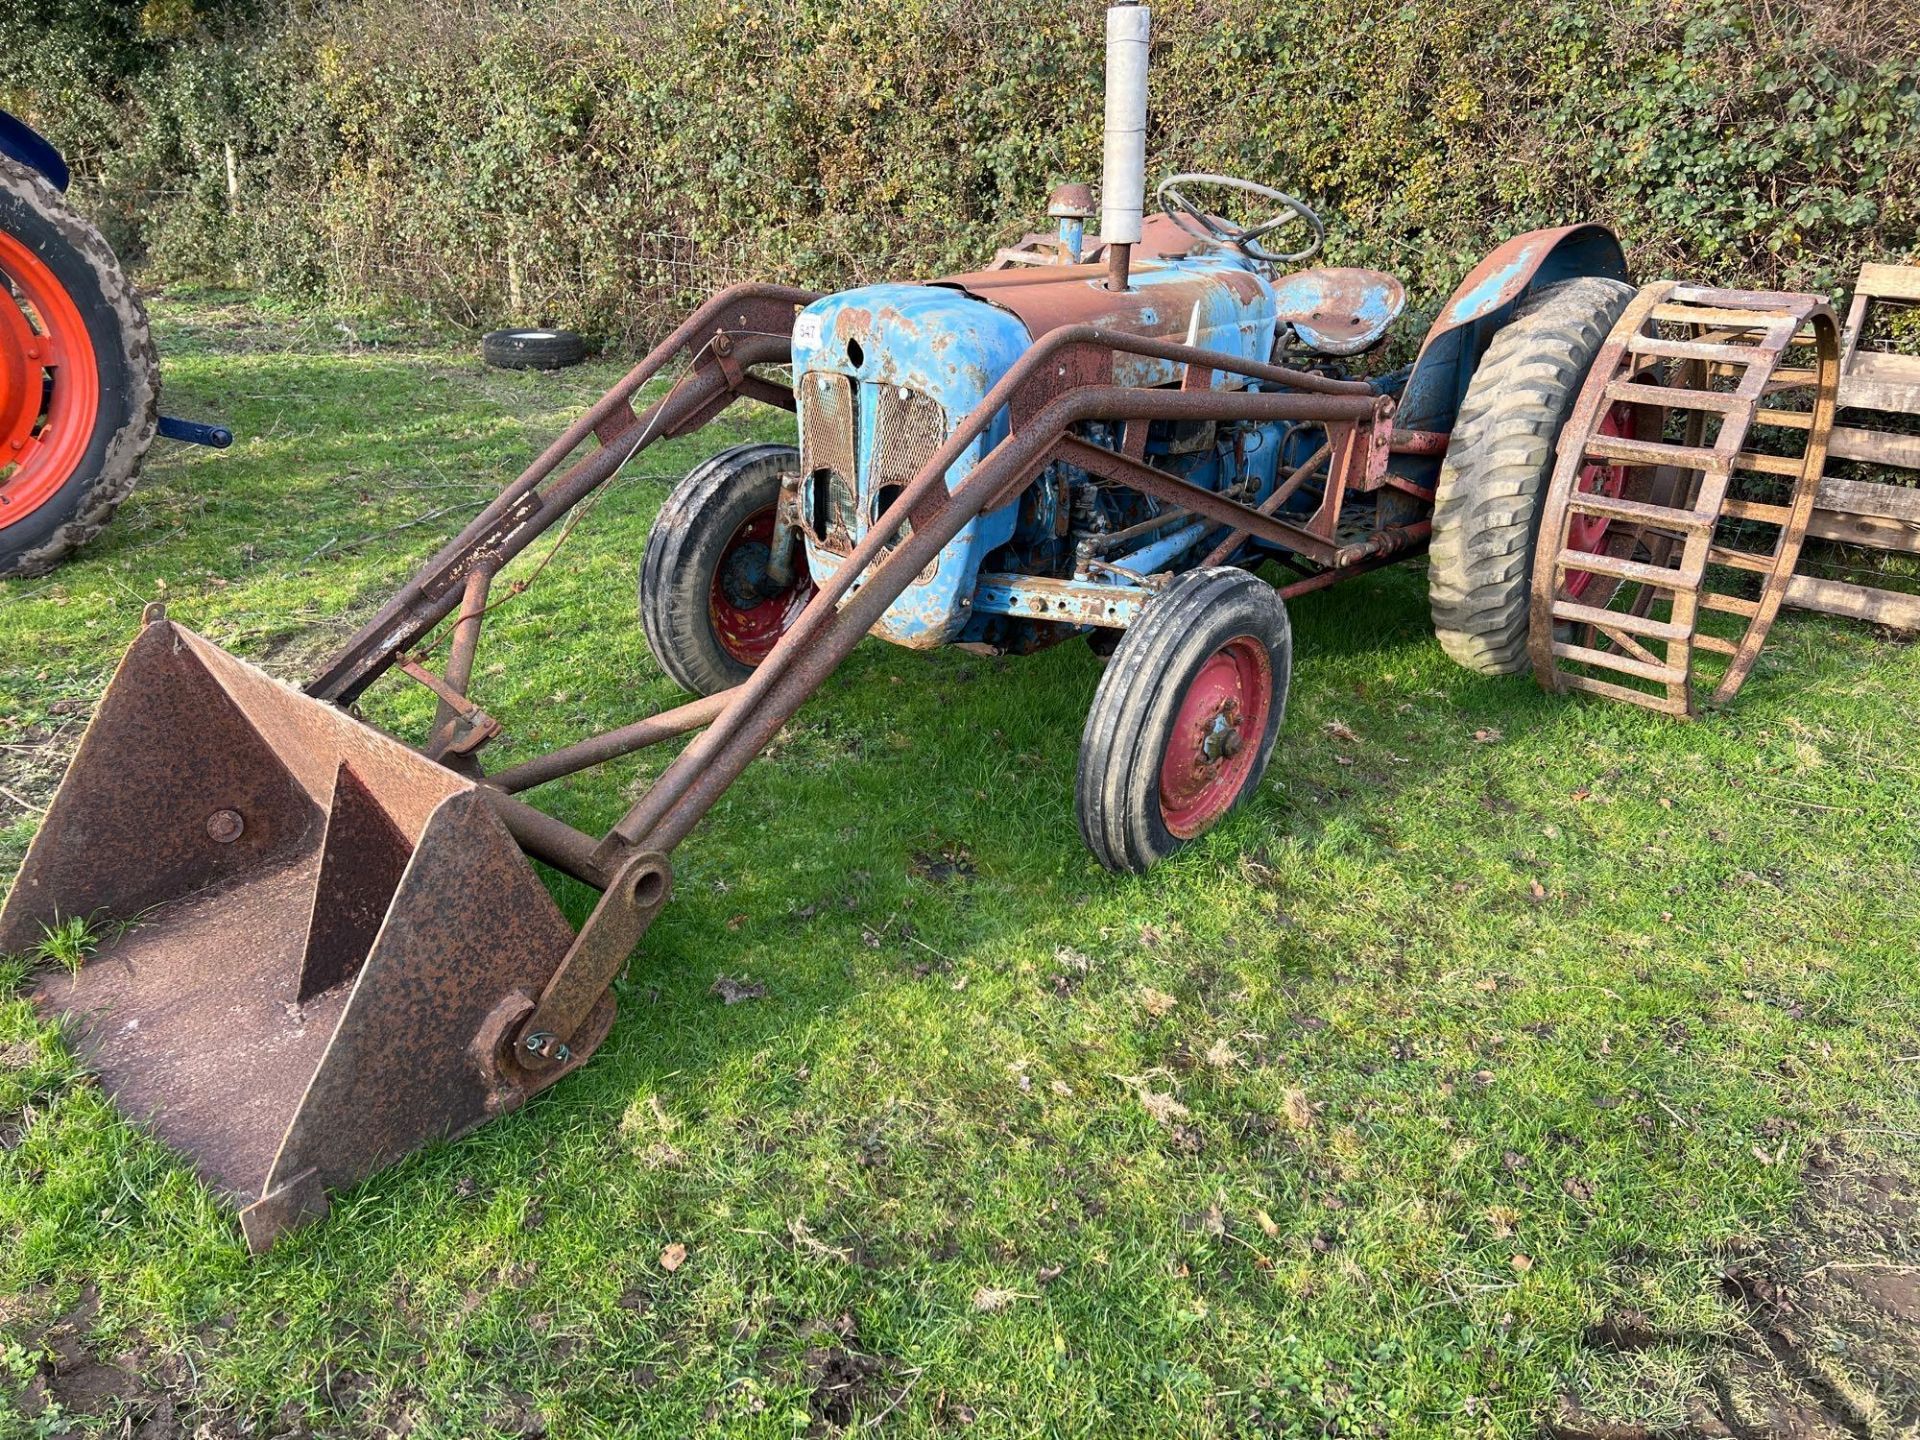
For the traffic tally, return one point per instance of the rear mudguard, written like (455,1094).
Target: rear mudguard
(20,141)
(1483,303)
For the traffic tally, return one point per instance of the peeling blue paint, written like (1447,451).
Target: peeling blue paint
(1339,311)
(951,349)
(1491,291)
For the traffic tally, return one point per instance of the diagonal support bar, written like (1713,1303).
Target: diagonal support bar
(757,321)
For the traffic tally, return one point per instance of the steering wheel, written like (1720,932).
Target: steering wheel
(1244,238)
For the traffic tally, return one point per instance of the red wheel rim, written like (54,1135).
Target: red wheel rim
(1216,736)
(1588,533)
(747,625)
(49,384)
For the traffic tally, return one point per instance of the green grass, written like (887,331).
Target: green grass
(1505,1013)
(68,943)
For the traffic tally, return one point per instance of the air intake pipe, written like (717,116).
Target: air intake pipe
(1123,182)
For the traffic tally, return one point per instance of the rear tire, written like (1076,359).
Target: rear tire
(79,383)
(1184,720)
(1486,506)
(708,620)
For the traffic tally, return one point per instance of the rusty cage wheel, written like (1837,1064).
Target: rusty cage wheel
(708,609)
(1735,392)
(79,386)
(1184,721)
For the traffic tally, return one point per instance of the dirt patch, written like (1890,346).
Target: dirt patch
(1892,1294)
(32,760)
(841,1382)
(73,1378)
(942,865)
(1828,1341)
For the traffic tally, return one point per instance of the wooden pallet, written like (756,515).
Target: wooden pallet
(1686,480)
(1879,516)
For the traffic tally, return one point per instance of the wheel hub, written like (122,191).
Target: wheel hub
(22,382)
(49,382)
(743,574)
(1222,740)
(748,611)
(1208,759)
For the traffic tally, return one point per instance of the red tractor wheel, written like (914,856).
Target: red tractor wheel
(707,605)
(1184,721)
(79,386)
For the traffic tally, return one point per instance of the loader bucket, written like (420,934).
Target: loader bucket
(319,943)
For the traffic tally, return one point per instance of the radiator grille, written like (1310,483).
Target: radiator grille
(827,426)
(908,428)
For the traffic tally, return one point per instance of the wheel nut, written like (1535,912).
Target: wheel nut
(225,826)
(1222,740)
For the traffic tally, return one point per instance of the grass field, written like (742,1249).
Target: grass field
(1508,1062)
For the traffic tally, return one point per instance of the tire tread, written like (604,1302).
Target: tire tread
(1117,785)
(1486,514)
(119,467)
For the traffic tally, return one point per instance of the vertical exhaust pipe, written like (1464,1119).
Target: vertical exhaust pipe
(1123,182)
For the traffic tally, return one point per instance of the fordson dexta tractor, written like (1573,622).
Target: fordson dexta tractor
(79,385)
(1100,439)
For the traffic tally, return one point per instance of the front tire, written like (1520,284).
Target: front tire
(1184,720)
(709,616)
(79,383)
(1486,506)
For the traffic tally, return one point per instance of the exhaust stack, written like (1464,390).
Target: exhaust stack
(1123,182)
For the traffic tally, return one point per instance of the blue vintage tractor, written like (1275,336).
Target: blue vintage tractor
(1143,532)
(1101,439)
(79,383)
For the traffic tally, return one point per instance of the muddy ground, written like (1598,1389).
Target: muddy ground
(1827,1344)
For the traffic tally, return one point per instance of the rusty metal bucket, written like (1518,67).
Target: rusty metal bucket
(320,943)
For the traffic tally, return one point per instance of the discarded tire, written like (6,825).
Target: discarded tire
(532,349)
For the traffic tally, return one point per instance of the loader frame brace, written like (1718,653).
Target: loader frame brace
(1065,380)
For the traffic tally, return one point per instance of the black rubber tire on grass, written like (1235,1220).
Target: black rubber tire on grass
(683,554)
(1117,788)
(532,349)
(129,373)
(1486,507)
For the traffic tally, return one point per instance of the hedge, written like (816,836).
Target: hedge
(601,164)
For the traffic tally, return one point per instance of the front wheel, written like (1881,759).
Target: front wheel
(709,610)
(1184,721)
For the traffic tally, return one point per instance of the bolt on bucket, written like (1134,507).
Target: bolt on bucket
(319,944)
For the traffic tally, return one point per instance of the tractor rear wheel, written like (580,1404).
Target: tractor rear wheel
(709,611)
(79,384)
(1486,507)
(1184,720)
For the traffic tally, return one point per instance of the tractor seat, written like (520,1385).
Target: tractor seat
(1338,311)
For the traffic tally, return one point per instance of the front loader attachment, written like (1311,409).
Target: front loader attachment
(319,944)
(324,949)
